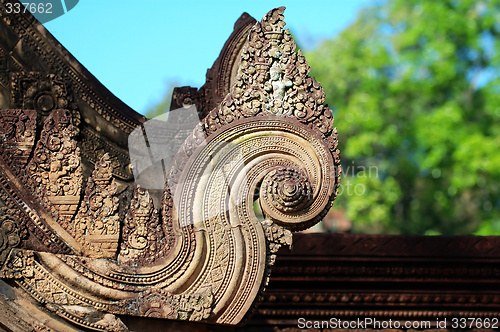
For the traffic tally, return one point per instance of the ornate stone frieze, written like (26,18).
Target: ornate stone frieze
(35,61)
(162,304)
(36,230)
(19,264)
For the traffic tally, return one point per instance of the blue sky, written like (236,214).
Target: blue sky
(138,48)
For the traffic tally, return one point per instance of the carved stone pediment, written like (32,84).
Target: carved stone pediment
(104,214)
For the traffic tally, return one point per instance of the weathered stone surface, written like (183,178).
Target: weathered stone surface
(87,246)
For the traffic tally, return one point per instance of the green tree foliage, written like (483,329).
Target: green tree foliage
(163,106)
(415,89)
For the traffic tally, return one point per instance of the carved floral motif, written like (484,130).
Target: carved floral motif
(43,93)
(277,237)
(93,146)
(55,169)
(286,189)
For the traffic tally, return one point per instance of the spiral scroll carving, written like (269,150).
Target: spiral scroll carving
(287,188)
(294,172)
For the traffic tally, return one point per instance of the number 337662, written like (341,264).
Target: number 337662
(32,7)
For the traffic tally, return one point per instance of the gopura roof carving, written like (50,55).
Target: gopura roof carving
(88,243)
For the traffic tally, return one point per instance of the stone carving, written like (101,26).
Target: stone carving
(277,236)
(10,233)
(93,146)
(162,304)
(144,237)
(97,222)
(19,264)
(254,142)
(56,169)
(43,94)
(35,230)
(273,79)
(17,136)
(286,190)
(278,85)
(200,254)
(221,76)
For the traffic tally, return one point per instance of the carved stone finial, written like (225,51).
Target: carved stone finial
(97,224)
(272,24)
(273,79)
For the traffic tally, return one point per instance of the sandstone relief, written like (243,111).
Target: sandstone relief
(155,219)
